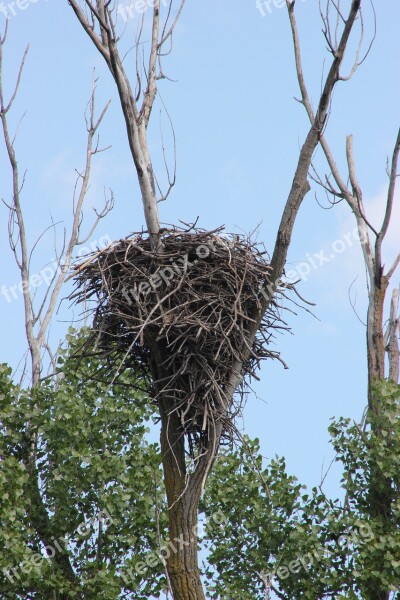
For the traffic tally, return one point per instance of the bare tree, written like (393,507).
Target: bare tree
(184,486)
(38,313)
(382,334)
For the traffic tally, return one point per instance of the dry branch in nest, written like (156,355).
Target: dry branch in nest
(182,316)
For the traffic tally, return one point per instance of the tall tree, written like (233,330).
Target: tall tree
(293,544)
(183,486)
(312,562)
(382,335)
(38,312)
(94,527)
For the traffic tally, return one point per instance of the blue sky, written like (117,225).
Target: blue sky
(238,131)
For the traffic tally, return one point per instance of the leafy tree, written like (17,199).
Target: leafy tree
(99,513)
(280,540)
(185,484)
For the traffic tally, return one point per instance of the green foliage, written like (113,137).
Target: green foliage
(303,545)
(259,506)
(96,493)
(99,481)
(275,535)
(371,460)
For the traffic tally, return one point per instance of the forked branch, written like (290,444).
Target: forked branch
(300,185)
(299,188)
(389,202)
(392,337)
(37,322)
(100,27)
(352,196)
(378,281)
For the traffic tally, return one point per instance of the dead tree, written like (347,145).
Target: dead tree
(382,335)
(38,313)
(184,482)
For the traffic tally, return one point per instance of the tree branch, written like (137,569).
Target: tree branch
(90,30)
(393,267)
(150,93)
(92,127)
(136,120)
(392,337)
(298,190)
(389,203)
(357,193)
(362,223)
(17,214)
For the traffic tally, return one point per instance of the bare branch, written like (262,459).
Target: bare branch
(90,29)
(392,337)
(389,202)
(353,302)
(151,90)
(300,185)
(11,101)
(171,181)
(74,236)
(343,189)
(108,206)
(357,61)
(357,193)
(168,34)
(136,119)
(371,43)
(17,231)
(138,71)
(16,217)
(299,66)
(393,267)
(135,123)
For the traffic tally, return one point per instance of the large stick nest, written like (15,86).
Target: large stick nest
(182,316)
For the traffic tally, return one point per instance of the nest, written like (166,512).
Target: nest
(182,317)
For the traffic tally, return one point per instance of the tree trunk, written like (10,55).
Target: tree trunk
(380,486)
(184,487)
(375,339)
(183,495)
